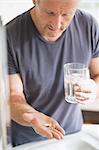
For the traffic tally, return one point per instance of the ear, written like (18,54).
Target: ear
(35,1)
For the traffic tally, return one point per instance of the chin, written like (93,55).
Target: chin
(50,36)
(52,39)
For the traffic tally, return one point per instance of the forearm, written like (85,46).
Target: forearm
(96,79)
(19,106)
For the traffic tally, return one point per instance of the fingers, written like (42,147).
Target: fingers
(43,131)
(82,102)
(44,125)
(57,131)
(82,96)
(78,88)
(83,93)
(57,134)
(59,128)
(48,131)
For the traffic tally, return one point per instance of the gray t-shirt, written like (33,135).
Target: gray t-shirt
(40,65)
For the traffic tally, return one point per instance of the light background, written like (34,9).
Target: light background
(11,8)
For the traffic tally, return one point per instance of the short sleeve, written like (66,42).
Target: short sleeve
(95,38)
(12,61)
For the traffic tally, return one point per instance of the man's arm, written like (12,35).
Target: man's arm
(24,114)
(18,102)
(94,70)
(87,90)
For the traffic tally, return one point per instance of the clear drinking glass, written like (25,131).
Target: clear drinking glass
(73,73)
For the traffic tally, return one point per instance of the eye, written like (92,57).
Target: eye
(51,13)
(66,15)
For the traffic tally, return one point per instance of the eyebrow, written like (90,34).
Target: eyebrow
(51,11)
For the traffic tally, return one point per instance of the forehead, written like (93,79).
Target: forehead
(58,4)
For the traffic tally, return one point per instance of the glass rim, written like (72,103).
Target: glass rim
(83,66)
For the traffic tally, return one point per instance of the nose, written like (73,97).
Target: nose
(57,22)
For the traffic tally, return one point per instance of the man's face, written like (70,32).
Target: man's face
(52,17)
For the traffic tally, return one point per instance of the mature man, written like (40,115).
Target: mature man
(40,42)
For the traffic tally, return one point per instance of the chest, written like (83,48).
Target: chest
(41,64)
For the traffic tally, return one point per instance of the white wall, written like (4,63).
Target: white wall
(11,8)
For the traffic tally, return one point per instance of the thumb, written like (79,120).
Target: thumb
(28,117)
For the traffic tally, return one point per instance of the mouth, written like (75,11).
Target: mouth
(51,29)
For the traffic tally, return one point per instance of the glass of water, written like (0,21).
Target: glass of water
(73,73)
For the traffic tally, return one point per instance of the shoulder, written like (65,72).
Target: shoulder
(85,17)
(82,13)
(17,23)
